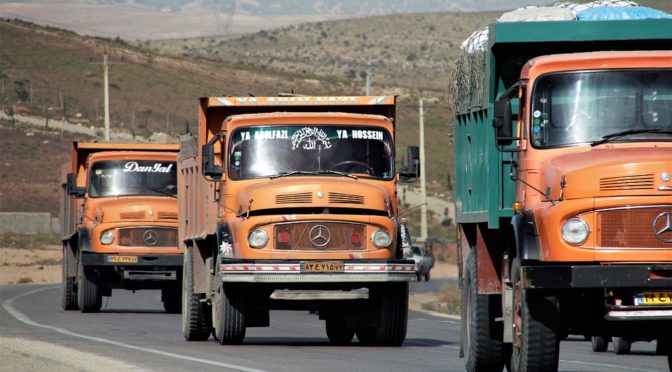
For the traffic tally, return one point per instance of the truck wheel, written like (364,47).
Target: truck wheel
(338,332)
(482,336)
(195,324)
(599,343)
(228,316)
(535,337)
(390,304)
(662,345)
(621,345)
(89,295)
(172,299)
(68,294)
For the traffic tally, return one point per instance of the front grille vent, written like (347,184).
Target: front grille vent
(339,198)
(139,215)
(300,198)
(167,215)
(624,183)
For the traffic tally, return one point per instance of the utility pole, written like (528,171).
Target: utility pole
(106,95)
(368,77)
(423,189)
(106,98)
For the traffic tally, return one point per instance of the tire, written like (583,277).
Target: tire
(390,304)
(195,322)
(228,317)
(338,332)
(89,295)
(537,347)
(599,343)
(662,345)
(68,292)
(621,345)
(482,336)
(171,297)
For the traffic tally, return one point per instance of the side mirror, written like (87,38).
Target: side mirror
(208,167)
(503,122)
(71,186)
(411,169)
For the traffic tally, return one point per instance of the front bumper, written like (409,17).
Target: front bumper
(622,279)
(598,276)
(136,268)
(363,271)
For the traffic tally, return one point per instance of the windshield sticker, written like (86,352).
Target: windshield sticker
(537,113)
(310,137)
(132,166)
(360,134)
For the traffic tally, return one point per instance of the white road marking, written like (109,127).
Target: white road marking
(639,369)
(23,318)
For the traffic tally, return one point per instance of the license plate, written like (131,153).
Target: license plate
(654,298)
(122,259)
(322,267)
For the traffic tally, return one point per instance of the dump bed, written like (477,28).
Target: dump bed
(485,191)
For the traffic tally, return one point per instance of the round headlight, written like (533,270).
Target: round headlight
(258,238)
(575,231)
(381,238)
(107,237)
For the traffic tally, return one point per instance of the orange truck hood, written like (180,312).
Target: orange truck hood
(605,172)
(297,191)
(136,209)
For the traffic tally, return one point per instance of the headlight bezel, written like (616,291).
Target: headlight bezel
(570,231)
(381,234)
(107,237)
(258,238)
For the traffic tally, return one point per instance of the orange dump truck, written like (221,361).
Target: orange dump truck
(291,203)
(119,223)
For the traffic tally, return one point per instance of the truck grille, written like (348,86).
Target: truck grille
(339,198)
(167,215)
(140,215)
(147,237)
(320,236)
(300,198)
(630,228)
(624,183)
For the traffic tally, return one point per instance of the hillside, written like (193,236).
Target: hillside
(42,67)
(411,51)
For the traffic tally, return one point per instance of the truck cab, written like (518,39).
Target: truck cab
(119,223)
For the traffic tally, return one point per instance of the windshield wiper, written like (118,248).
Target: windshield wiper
(303,173)
(613,136)
(292,173)
(338,173)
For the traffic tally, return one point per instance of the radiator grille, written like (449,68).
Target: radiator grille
(339,198)
(139,215)
(148,237)
(300,198)
(334,236)
(624,183)
(630,228)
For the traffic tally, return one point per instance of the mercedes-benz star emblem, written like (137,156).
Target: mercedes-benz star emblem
(320,235)
(662,227)
(150,237)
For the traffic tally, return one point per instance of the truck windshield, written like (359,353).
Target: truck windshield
(584,107)
(132,177)
(266,151)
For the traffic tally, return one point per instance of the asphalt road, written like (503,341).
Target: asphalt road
(133,329)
